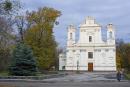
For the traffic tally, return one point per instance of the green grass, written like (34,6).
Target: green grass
(40,74)
(128,76)
(5,85)
(4,73)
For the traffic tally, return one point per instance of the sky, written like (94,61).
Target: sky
(74,12)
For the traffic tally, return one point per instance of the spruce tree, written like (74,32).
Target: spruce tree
(23,61)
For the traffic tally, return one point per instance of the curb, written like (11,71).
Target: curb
(42,81)
(31,77)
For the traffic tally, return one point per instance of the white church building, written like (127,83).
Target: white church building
(90,52)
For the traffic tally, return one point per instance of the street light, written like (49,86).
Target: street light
(77,63)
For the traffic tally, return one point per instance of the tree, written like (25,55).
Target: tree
(119,44)
(126,56)
(22,25)
(23,61)
(59,50)
(122,55)
(40,36)
(8,9)
(6,41)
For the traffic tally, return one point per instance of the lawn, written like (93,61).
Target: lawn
(128,76)
(6,85)
(4,74)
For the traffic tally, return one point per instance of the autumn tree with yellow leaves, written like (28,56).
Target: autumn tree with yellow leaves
(123,55)
(40,36)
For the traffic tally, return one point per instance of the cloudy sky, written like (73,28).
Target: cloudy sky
(75,11)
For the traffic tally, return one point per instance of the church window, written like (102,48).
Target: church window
(90,38)
(63,67)
(99,50)
(110,34)
(70,35)
(90,55)
(73,50)
(82,50)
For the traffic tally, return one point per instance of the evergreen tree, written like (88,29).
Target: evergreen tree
(23,61)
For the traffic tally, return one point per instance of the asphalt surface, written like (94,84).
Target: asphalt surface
(94,79)
(86,76)
(65,84)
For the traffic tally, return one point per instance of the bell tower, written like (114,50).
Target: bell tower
(110,34)
(71,35)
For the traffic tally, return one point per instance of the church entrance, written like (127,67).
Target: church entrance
(90,67)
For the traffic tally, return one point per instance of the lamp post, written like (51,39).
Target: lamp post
(77,63)
(77,66)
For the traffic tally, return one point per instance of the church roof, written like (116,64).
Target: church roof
(90,22)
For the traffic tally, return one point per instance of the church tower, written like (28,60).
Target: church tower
(90,32)
(110,34)
(71,35)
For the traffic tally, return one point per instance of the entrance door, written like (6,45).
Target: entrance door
(90,67)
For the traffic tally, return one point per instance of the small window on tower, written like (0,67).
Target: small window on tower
(110,34)
(90,38)
(70,35)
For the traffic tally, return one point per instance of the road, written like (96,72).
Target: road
(65,84)
(86,76)
(95,79)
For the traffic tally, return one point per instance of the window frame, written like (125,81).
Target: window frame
(90,55)
(90,39)
(71,36)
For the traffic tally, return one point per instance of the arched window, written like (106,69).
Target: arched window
(110,34)
(90,38)
(70,35)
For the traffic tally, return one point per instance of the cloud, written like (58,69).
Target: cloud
(75,11)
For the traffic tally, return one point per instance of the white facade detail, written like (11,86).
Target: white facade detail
(62,61)
(90,52)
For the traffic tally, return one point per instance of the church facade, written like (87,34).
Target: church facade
(90,52)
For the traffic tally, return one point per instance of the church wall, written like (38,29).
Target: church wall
(105,59)
(62,61)
(83,60)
